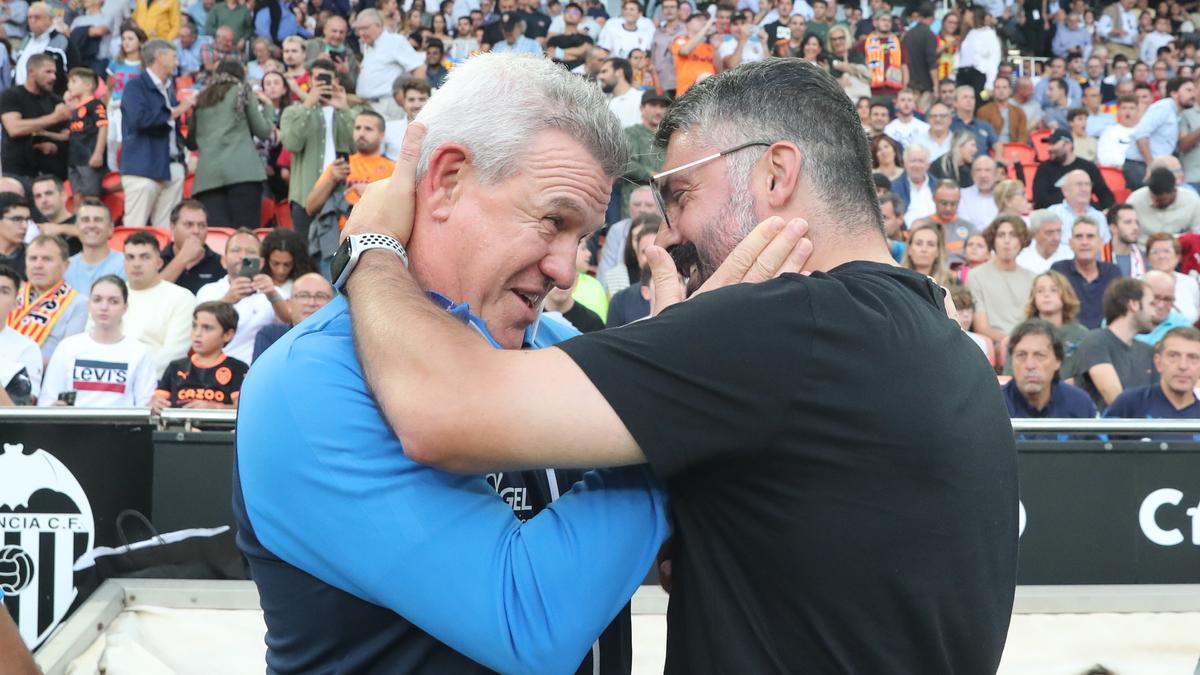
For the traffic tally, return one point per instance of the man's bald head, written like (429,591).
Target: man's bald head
(1162,285)
(12,185)
(310,292)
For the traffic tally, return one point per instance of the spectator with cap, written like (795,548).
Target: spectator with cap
(1076,187)
(1164,317)
(645,157)
(160,312)
(1162,207)
(96,259)
(1157,132)
(310,292)
(1177,360)
(1036,353)
(1063,160)
(1110,360)
(1090,277)
(1163,254)
(1122,248)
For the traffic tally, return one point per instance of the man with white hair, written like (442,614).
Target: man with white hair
(1076,189)
(914,186)
(1047,246)
(386,56)
(977,204)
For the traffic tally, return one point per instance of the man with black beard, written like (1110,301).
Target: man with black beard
(817,497)
(1063,160)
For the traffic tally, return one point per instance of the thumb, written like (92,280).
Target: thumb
(665,289)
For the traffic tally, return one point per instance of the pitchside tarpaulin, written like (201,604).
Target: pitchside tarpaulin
(61,487)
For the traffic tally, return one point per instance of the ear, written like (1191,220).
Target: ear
(783,167)
(443,181)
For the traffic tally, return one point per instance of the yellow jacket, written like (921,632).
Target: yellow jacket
(159,20)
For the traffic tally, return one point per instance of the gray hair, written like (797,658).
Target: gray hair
(495,103)
(371,15)
(785,100)
(1041,217)
(153,48)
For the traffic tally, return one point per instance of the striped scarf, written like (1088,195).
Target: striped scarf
(34,317)
(884,60)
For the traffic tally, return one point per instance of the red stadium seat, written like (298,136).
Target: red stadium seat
(1015,153)
(268,213)
(117,241)
(217,236)
(1114,178)
(1190,260)
(1030,171)
(1039,148)
(188,181)
(263,231)
(115,201)
(283,215)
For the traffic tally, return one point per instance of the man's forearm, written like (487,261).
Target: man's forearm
(318,195)
(1143,145)
(173,270)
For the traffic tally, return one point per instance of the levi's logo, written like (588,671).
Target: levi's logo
(100,376)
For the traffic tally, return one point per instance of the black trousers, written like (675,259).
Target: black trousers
(238,205)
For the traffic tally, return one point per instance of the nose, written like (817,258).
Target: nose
(559,263)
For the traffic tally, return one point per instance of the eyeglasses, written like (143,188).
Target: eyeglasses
(659,188)
(309,297)
(15,219)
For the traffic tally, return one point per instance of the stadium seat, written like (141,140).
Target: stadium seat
(117,241)
(1030,171)
(1039,148)
(283,215)
(268,213)
(1017,152)
(187,185)
(115,201)
(1114,178)
(263,231)
(217,236)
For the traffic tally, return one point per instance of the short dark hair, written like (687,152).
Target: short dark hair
(1061,82)
(1114,212)
(115,281)
(193,204)
(622,65)
(9,273)
(895,200)
(1076,112)
(1118,296)
(54,240)
(94,203)
(924,10)
(434,42)
(1161,181)
(412,83)
(371,113)
(1184,332)
(1037,327)
(322,64)
(223,312)
(1176,83)
(10,201)
(48,177)
(86,74)
(143,239)
(38,60)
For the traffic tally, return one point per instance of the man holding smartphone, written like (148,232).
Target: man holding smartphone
(251,292)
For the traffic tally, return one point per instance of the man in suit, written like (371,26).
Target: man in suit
(152,152)
(1007,119)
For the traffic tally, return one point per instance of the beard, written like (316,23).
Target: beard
(697,262)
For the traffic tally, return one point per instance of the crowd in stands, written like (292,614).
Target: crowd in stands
(176,174)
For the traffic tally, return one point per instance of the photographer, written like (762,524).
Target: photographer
(251,292)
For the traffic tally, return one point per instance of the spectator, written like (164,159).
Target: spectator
(209,378)
(341,185)
(230,173)
(1157,132)
(914,187)
(277,22)
(51,214)
(662,58)
(515,41)
(956,164)
(822,21)
(44,38)
(1164,317)
(332,45)
(252,296)
(1090,277)
(234,14)
(1096,119)
(1037,355)
(1162,207)
(435,63)
(964,303)
(224,47)
(411,94)
(1006,119)
(14,224)
(1083,145)
(1122,247)
(627,274)
(574,42)
(386,56)
(1070,35)
(633,31)
(1177,359)
(1056,106)
(34,120)
(744,45)
(1077,191)
(465,43)
(999,286)
(159,18)
(979,55)
(926,252)
(96,259)
(14,15)
(48,309)
(103,367)
(1114,140)
(645,157)
(977,203)
(694,56)
(965,120)
(887,157)
(188,261)
(955,230)
(906,127)
(1162,254)
(1117,26)
(317,130)
(262,63)
(1110,360)
(1189,145)
(975,253)
(189,47)
(286,258)
(1023,98)
(633,302)
(879,114)
(1056,72)
(159,313)
(126,65)
(939,137)
(311,292)
(920,45)
(625,101)
(152,156)
(89,134)
(1010,199)
(1054,301)
(641,202)
(20,358)
(884,57)
(1157,39)
(892,209)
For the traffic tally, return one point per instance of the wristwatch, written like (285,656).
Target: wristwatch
(351,250)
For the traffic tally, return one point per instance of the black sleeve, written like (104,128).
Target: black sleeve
(169,383)
(689,383)
(1104,196)
(1043,185)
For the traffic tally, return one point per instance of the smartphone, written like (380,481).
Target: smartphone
(67,397)
(251,265)
(325,79)
(344,156)
(783,33)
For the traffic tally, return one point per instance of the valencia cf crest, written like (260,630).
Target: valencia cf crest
(46,524)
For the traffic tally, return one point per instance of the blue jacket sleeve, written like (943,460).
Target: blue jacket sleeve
(328,489)
(150,116)
(262,25)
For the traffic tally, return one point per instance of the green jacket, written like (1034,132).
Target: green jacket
(238,18)
(645,160)
(227,152)
(302,132)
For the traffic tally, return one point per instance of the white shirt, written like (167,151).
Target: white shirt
(1030,259)
(1152,43)
(393,137)
(160,317)
(627,107)
(905,133)
(1187,297)
(16,352)
(753,51)
(936,149)
(36,45)
(977,209)
(920,202)
(1104,25)
(980,50)
(119,375)
(588,26)
(619,41)
(1068,218)
(390,57)
(1113,144)
(327,112)
(254,313)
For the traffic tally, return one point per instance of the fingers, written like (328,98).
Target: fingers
(387,206)
(665,289)
(772,248)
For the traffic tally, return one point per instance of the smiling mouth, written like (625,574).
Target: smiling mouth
(531,300)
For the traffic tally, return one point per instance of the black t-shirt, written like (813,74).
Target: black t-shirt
(73,244)
(16,261)
(89,119)
(536,24)
(20,159)
(583,319)
(920,49)
(208,270)
(841,472)
(564,41)
(185,381)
